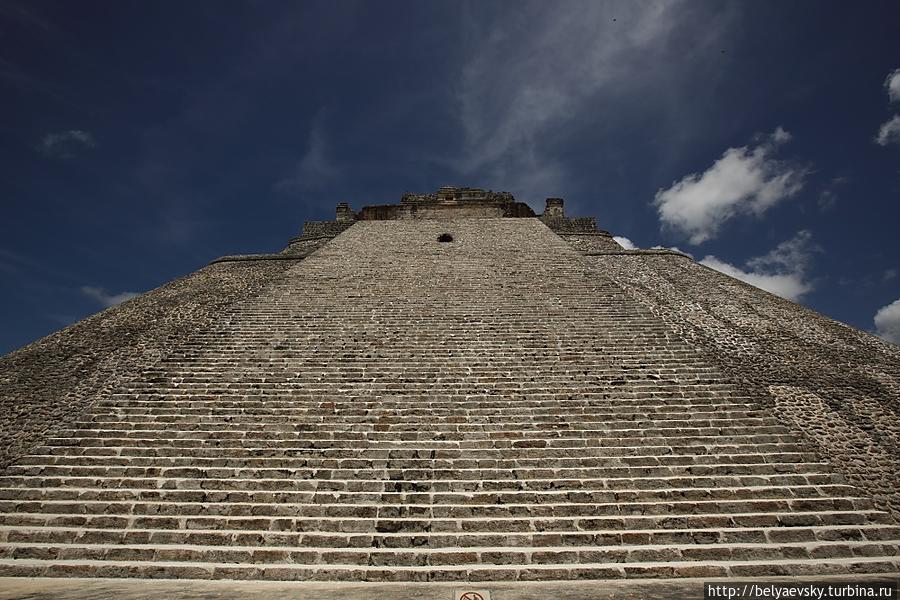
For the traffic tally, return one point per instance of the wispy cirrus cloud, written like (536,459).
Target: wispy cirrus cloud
(828,197)
(66,144)
(534,73)
(13,262)
(748,180)
(783,271)
(104,298)
(315,168)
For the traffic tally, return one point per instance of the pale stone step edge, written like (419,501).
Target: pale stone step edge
(629,503)
(528,550)
(429,482)
(814,486)
(765,530)
(131,517)
(386,468)
(678,460)
(554,566)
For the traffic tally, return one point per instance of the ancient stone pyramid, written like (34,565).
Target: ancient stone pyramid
(452,388)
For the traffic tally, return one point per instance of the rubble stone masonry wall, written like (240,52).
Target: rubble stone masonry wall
(49,383)
(836,384)
(592,242)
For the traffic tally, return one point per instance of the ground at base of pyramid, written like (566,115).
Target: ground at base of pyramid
(645,589)
(444,391)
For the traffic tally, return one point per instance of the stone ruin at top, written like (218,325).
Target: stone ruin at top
(452,388)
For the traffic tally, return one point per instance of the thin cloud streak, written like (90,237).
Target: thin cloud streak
(104,298)
(314,169)
(540,70)
(66,144)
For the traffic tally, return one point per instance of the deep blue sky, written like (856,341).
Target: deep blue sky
(140,140)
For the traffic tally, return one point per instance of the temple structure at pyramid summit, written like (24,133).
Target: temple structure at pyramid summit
(452,388)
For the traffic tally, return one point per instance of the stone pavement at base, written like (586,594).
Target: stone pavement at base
(21,588)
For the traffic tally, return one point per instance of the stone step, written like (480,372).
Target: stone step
(471,498)
(568,401)
(326,416)
(364,391)
(480,524)
(431,511)
(361,463)
(677,361)
(440,453)
(388,432)
(298,401)
(333,337)
(585,363)
(413,485)
(381,423)
(494,367)
(602,537)
(472,555)
(413,396)
(309,390)
(481,572)
(393,474)
(344,440)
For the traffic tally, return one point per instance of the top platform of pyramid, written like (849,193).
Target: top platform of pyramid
(452,203)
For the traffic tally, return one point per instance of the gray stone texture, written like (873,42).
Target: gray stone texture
(49,383)
(511,406)
(592,242)
(837,385)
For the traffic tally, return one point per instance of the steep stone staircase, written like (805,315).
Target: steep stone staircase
(399,409)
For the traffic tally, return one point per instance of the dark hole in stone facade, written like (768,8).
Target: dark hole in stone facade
(445,237)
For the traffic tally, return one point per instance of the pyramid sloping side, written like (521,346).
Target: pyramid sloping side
(838,385)
(45,385)
(393,408)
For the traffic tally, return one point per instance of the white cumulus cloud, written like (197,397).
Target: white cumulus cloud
(104,298)
(889,132)
(782,271)
(887,322)
(624,242)
(892,85)
(745,180)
